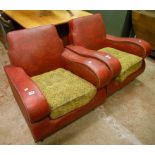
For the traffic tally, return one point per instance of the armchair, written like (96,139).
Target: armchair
(89,32)
(52,85)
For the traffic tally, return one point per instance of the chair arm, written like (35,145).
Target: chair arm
(90,69)
(31,101)
(135,46)
(110,61)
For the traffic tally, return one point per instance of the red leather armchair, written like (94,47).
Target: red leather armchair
(39,50)
(89,33)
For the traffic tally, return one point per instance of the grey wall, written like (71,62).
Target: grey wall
(117,22)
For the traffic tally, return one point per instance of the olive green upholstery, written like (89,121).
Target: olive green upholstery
(129,62)
(64,91)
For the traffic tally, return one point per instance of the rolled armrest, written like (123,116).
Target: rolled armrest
(31,101)
(135,46)
(90,69)
(111,62)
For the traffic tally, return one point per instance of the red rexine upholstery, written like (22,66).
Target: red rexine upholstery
(24,88)
(79,30)
(91,69)
(111,62)
(89,32)
(38,50)
(135,46)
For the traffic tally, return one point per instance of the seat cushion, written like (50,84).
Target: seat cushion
(64,91)
(129,62)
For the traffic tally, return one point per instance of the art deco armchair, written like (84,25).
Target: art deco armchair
(52,85)
(89,33)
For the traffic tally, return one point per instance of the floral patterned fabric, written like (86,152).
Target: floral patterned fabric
(129,62)
(64,91)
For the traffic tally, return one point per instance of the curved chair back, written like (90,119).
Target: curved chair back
(36,50)
(87,31)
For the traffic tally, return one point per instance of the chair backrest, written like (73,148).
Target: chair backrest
(36,50)
(87,31)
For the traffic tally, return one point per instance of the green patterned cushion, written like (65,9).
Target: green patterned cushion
(129,62)
(64,91)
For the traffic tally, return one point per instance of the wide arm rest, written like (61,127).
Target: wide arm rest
(90,69)
(111,62)
(32,103)
(135,46)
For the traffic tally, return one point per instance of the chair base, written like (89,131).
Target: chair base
(44,128)
(47,126)
(114,85)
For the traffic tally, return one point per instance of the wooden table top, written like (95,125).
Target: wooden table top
(33,18)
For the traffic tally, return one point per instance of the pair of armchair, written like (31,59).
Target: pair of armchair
(55,85)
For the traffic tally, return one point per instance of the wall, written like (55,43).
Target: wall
(118,22)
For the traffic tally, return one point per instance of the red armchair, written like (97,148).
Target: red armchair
(39,50)
(89,32)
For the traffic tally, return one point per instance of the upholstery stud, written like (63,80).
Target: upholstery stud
(31,92)
(107,56)
(26,89)
(89,62)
